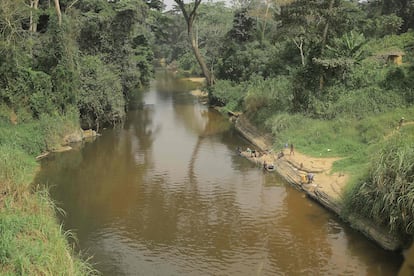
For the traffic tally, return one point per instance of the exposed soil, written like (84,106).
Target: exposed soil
(327,187)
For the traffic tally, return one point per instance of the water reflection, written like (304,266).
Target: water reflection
(166,194)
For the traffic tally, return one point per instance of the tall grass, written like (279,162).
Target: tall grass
(386,194)
(31,240)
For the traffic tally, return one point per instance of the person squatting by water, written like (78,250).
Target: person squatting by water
(280,154)
(310,177)
(307,179)
(400,122)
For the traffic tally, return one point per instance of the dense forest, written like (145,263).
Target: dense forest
(335,74)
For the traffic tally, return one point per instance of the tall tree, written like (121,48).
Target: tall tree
(190,13)
(58,12)
(34,4)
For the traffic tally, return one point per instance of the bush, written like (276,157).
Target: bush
(357,103)
(274,94)
(101,100)
(229,95)
(387,193)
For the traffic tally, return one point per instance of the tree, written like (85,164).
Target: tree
(190,17)
(34,4)
(58,12)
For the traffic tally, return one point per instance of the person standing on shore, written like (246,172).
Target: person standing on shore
(292,150)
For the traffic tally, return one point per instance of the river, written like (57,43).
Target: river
(166,194)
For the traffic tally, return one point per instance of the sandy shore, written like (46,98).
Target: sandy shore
(327,187)
(195,79)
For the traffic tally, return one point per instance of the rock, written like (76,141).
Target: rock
(62,149)
(89,133)
(43,155)
(74,137)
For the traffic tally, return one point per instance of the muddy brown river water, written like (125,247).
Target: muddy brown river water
(166,194)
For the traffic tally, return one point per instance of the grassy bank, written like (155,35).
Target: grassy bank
(31,240)
(356,120)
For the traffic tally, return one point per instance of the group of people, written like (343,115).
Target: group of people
(253,152)
(305,178)
(308,178)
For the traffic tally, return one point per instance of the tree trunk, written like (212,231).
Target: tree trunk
(265,20)
(201,62)
(324,37)
(58,12)
(299,45)
(34,4)
(189,17)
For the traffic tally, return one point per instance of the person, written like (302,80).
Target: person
(303,179)
(400,123)
(292,151)
(280,155)
(264,164)
(310,178)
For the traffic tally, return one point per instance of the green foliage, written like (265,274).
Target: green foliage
(381,46)
(118,33)
(226,93)
(36,136)
(242,61)
(400,80)
(243,26)
(273,94)
(100,97)
(357,104)
(386,195)
(313,136)
(32,243)
(188,63)
(383,25)
(370,72)
(16,165)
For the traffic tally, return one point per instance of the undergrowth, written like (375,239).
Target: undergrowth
(31,240)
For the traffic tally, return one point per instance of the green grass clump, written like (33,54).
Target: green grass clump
(31,240)
(386,193)
(16,166)
(350,138)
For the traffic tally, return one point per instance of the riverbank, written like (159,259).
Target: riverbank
(32,241)
(327,187)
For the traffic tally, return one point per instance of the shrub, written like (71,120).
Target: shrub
(100,99)
(274,94)
(387,193)
(227,94)
(357,103)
